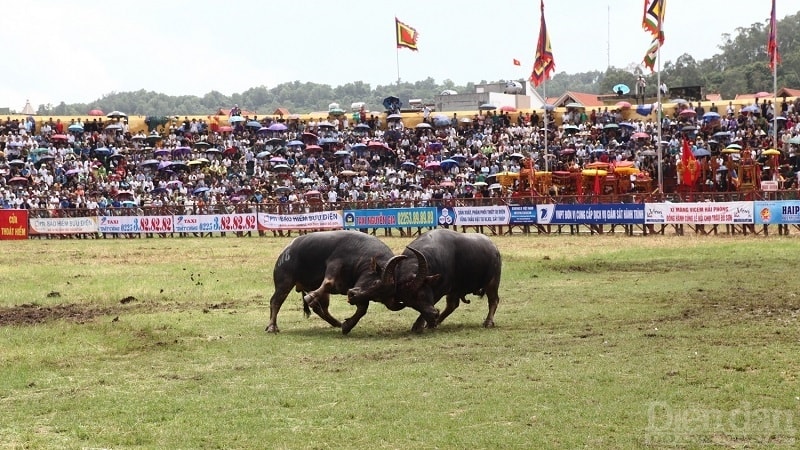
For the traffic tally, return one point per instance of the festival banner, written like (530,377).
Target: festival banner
(13,224)
(63,225)
(135,224)
(406,35)
(772,43)
(323,220)
(543,62)
(590,214)
(777,212)
(390,218)
(699,213)
(521,215)
(474,216)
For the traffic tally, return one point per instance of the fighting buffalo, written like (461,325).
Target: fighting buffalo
(335,262)
(444,263)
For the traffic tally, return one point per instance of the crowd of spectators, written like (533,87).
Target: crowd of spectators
(100,163)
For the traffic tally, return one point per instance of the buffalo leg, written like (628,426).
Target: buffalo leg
(350,322)
(275,303)
(494,300)
(452,303)
(428,315)
(320,306)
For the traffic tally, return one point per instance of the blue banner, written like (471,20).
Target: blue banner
(776,212)
(521,215)
(390,218)
(591,214)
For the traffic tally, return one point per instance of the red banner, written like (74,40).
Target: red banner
(13,224)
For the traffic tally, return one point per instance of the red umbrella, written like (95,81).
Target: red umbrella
(623,104)
(313,148)
(508,109)
(59,137)
(225,129)
(18,180)
(762,94)
(96,112)
(640,135)
(230,151)
(687,112)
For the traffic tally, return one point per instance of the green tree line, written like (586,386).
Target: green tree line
(739,67)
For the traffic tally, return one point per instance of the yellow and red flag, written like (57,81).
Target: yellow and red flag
(689,162)
(406,35)
(544,63)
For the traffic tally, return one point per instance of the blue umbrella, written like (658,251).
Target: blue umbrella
(711,115)
(621,87)
(701,152)
(295,143)
(448,164)
(235,119)
(253,124)
(103,151)
(719,134)
(644,110)
(262,155)
(75,128)
(441,121)
(200,190)
(362,126)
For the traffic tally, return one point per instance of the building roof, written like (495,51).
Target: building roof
(714,97)
(585,99)
(281,112)
(226,111)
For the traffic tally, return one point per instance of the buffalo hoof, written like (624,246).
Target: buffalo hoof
(347,326)
(488,323)
(272,328)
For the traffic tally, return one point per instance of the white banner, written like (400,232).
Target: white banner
(135,224)
(699,213)
(324,220)
(478,215)
(226,222)
(63,225)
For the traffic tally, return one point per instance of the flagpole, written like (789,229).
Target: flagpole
(659,114)
(544,94)
(397,51)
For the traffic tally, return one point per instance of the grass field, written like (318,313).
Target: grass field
(601,342)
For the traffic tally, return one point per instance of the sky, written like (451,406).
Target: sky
(76,52)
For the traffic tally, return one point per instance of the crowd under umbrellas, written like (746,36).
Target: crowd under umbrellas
(334,159)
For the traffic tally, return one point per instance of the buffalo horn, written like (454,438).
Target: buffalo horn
(388,271)
(422,269)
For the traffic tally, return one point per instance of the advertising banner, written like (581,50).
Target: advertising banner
(476,215)
(63,225)
(13,224)
(699,213)
(390,218)
(324,220)
(591,214)
(135,224)
(777,212)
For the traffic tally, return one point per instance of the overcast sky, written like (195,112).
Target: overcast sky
(78,51)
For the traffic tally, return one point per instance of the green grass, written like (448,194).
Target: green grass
(602,342)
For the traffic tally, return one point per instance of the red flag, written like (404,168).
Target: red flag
(772,44)
(543,63)
(406,35)
(689,163)
(516,62)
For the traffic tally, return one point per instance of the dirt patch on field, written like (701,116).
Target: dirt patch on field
(30,314)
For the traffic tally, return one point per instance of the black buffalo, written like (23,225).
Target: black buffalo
(335,262)
(444,263)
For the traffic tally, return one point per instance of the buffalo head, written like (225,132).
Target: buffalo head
(378,284)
